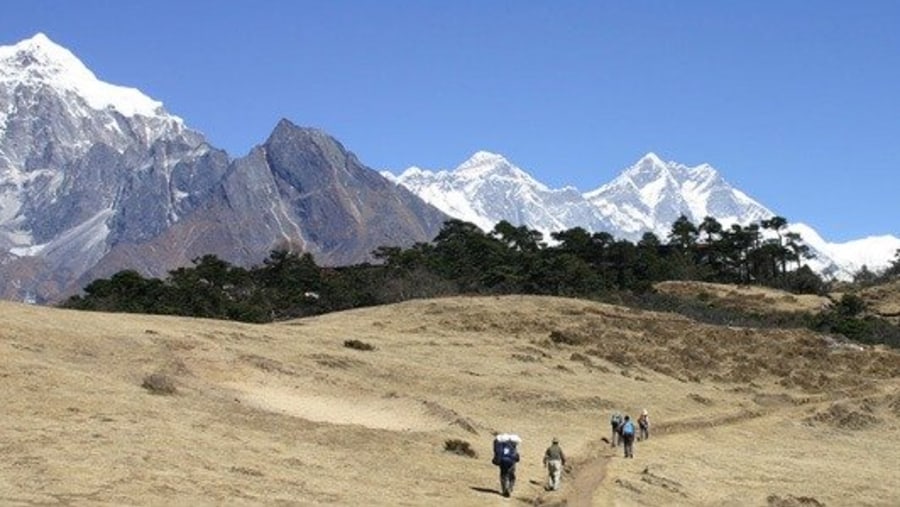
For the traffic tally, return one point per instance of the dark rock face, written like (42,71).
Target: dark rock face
(346,209)
(158,209)
(304,189)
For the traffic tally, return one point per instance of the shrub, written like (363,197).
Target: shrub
(461,447)
(846,318)
(566,338)
(159,383)
(358,345)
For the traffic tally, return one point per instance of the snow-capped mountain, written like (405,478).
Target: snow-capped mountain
(652,194)
(66,139)
(488,188)
(49,96)
(875,252)
(646,197)
(96,178)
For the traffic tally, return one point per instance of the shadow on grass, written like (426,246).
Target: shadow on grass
(486,490)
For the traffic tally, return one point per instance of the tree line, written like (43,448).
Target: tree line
(463,259)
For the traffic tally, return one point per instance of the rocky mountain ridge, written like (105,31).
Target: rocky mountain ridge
(96,178)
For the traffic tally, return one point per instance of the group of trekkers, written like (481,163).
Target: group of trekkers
(506,450)
(623,431)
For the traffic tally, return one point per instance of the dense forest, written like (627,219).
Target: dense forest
(463,259)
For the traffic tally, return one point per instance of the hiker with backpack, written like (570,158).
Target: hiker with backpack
(626,431)
(506,455)
(554,460)
(615,421)
(644,425)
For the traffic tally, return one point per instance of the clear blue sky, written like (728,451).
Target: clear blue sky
(795,102)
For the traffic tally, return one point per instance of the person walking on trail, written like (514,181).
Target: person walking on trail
(554,460)
(615,421)
(626,430)
(644,425)
(506,455)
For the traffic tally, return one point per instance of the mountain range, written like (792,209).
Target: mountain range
(645,197)
(96,178)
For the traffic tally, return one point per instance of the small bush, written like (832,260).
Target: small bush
(566,338)
(159,383)
(461,447)
(358,345)
(700,399)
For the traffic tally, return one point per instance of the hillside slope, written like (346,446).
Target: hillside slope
(286,414)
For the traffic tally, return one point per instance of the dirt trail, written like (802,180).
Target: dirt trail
(588,478)
(579,486)
(590,472)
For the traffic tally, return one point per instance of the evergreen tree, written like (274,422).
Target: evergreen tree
(684,233)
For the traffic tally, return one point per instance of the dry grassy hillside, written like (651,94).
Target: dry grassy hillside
(287,414)
(884,300)
(752,298)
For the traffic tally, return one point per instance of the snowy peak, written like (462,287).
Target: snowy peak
(39,61)
(651,194)
(52,107)
(484,164)
(650,161)
(483,158)
(488,188)
(482,168)
(651,168)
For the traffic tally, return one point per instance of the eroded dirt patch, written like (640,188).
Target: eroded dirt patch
(388,413)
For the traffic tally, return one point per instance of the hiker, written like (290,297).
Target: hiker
(506,455)
(615,421)
(554,460)
(644,425)
(626,431)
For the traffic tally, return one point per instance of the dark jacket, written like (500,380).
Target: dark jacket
(554,452)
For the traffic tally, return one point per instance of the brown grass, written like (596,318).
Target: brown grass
(884,300)
(753,299)
(285,414)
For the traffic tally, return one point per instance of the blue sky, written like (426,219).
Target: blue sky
(795,102)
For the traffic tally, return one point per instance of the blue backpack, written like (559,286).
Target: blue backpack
(628,428)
